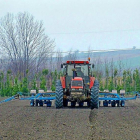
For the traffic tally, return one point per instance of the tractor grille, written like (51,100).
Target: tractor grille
(77,83)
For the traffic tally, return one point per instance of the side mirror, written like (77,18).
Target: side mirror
(61,65)
(92,65)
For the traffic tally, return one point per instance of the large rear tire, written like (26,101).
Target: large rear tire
(94,102)
(59,95)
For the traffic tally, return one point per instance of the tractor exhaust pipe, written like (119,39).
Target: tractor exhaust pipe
(74,74)
(74,71)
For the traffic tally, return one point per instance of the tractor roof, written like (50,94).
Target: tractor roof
(77,62)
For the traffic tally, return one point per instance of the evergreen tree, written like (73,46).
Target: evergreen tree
(115,77)
(110,85)
(24,85)
(15,86)
(8,86)
(128,80)
(106,77)
(2,91)
(124,79)
(136,78)
(101,88)
(43,79)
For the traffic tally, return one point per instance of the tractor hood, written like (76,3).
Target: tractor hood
(77,83)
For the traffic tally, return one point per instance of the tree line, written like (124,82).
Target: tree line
(10,85)
(115,76)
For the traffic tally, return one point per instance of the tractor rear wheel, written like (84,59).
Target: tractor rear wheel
(59,95)
(94,102)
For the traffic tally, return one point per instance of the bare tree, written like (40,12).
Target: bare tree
(89,53)
(72,55)
(98,70)
(106,64)
(24,42)
(51,66)
(59,59)
(120,67)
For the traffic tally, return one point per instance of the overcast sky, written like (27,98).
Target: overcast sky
(80,24)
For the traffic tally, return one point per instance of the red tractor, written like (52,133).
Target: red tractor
(77,85)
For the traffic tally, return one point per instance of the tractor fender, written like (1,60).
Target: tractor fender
(92,79)
(62,79)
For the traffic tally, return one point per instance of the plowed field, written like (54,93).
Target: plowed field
(19,121)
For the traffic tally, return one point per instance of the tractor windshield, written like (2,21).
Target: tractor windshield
(81,70)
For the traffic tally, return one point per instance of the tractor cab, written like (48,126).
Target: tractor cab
(72,69)
(77,76)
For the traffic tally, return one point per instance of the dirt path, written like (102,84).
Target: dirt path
(20,121)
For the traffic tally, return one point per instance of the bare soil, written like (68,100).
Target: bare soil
(3,98)
(19,121)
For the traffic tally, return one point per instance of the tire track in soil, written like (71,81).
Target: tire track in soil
(54,127)
(116,123)
(70,124)
(93,124)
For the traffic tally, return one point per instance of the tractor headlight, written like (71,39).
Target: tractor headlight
(80,89)
(73,89)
